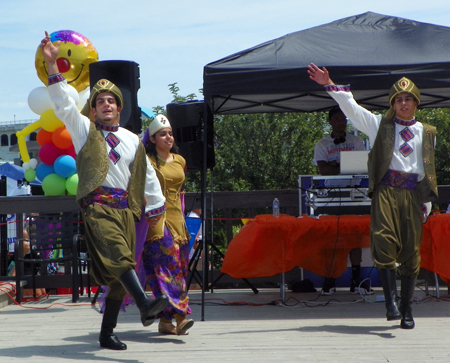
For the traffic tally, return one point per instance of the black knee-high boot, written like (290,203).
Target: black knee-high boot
(107,339)
(148,308)
(408,285)
(389,283)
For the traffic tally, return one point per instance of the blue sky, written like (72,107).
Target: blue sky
(170,40)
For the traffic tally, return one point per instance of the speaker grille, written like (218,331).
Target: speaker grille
(186,119)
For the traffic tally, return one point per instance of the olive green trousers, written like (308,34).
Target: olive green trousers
(396,229)
(111,242)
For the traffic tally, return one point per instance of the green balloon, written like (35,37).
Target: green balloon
(30,174)
(54,185)
(72,184)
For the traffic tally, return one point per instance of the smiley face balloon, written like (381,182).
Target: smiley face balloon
(76,52)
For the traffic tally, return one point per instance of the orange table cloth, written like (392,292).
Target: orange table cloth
(267,246)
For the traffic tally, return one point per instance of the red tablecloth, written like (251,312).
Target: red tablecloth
(266,246)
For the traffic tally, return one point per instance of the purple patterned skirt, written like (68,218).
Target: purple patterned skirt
(166,266)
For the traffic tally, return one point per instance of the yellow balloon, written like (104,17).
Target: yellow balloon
(23,149)
(49,121)
(76,52)
(29,129)
(21,142)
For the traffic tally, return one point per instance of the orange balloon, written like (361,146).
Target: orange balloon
(44,137)
(61,138)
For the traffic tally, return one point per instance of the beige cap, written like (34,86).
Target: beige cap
(103,85)
(402,85)
(158,123)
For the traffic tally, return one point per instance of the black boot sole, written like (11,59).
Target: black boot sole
(393,318)
(407,325)
(112,342)
(148,316)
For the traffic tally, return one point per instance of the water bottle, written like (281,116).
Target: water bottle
(276,208)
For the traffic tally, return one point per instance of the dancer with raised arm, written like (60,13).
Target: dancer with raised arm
(115,182)
(402,183)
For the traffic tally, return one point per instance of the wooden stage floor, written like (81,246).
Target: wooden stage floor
(238,326)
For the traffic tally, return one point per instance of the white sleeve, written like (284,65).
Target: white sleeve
(66,110)
(364,120)
(427,208)
(320,153)
(155,199)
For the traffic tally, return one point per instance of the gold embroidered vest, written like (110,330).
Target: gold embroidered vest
(93,166)
(381,155)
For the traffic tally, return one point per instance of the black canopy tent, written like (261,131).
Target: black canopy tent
(368,51)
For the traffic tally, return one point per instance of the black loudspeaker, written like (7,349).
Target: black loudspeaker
(187,121)
(125,75)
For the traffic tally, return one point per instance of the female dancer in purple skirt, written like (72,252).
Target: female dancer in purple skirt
(165,256)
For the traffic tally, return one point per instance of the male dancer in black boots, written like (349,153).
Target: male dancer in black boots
(402,183)
(115,182)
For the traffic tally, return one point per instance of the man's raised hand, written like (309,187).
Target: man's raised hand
(321,76)
(48,49)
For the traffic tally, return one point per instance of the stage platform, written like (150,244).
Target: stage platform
(239,326)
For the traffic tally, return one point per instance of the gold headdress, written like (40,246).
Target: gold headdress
(402,85)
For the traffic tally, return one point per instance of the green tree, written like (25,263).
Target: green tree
(440,118)
(265,151)
(173,89)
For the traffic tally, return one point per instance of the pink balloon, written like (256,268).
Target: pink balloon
(48,153)
(71,151)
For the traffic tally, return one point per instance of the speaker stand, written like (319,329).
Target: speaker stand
(194,274)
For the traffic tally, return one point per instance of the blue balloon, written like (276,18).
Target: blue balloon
(65,166)
(43,170)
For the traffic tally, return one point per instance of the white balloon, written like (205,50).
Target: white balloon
(26,166)
(74,94)
(33,163)
(39,100)
(84,96)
